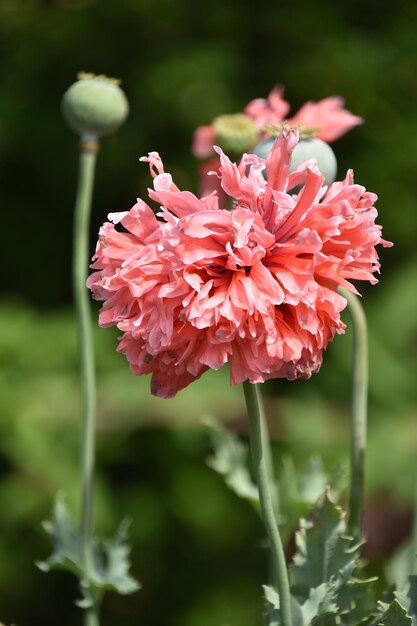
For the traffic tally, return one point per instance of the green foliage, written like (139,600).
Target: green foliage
(320,604)
(230,460)
(407,596)
(296,491)
(299,490)
(325,587)
(324,551)
(324,573)
(395,615)
(110,570)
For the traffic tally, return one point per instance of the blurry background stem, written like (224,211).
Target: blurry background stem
(88,151)
(358,411)
(259,444)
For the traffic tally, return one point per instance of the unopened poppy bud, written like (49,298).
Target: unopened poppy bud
(305,150)
(235,134)
(264,147)
(320,151)
(95,105)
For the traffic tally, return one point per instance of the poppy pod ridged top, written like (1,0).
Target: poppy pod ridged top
(198,285)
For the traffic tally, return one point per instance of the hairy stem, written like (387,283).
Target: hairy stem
(358,411)
(261,462)
(88,151)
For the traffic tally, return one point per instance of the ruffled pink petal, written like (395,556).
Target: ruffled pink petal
(203,140)
(271,110)
(329,116)
(198,286)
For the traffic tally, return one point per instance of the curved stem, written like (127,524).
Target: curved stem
(260,457)
(89,147)
(358,412)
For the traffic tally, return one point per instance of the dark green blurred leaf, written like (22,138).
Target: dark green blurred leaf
(230,460)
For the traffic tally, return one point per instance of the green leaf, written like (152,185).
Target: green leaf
(408,598)
(273,617)
(356,602)
(66,553)
(110,570)
(320,603)
(396,615)
(324,551)
(298,492)
(230,461)
(273,614)
(112,564)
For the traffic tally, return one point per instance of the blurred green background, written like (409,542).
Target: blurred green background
(197,549)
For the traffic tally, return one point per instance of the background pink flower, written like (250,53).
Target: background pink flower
(255,287)
(329,117)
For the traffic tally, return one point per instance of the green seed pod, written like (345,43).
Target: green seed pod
(235,134)
(94,105)
(320,151)
(306,149)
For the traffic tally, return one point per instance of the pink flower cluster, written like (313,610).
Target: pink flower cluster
(327,116)
(254,286)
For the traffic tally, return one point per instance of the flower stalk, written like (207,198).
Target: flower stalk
(413,548)
(88,152)
(358,411)
(258,436)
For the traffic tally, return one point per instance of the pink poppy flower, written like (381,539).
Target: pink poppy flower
(327,116)
(203,139)
(270,110)
(198,286)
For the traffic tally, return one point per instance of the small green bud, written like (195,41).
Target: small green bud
(95,105)
(305,150)
(235,134)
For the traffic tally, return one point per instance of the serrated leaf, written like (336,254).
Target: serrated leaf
(273,617)
(112,564)
(298,493)
(324,551)
(110,569)
(230,460)
(273,614)
(407,597)
(396,615)
(321,602)
(356,602)
(66,544)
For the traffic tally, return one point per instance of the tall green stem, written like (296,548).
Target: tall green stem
(358,411)
(260,457)
(413,549)
(88,151)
